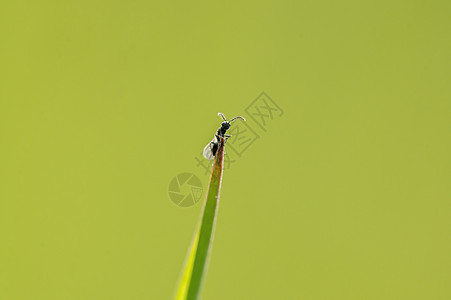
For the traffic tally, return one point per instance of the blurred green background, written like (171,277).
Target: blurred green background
(346,196)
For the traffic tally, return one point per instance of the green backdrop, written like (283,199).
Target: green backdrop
(344,196)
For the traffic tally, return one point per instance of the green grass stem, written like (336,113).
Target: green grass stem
(196,263)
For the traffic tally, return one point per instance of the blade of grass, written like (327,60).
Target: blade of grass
(196,264)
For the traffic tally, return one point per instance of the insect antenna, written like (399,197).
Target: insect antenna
(238,117)
(222,115)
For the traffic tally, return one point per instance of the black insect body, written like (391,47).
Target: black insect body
(212,147)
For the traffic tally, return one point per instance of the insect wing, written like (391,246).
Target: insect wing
(208,153)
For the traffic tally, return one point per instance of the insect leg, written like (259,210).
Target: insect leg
(226,137)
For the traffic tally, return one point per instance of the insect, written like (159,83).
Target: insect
(211,148)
